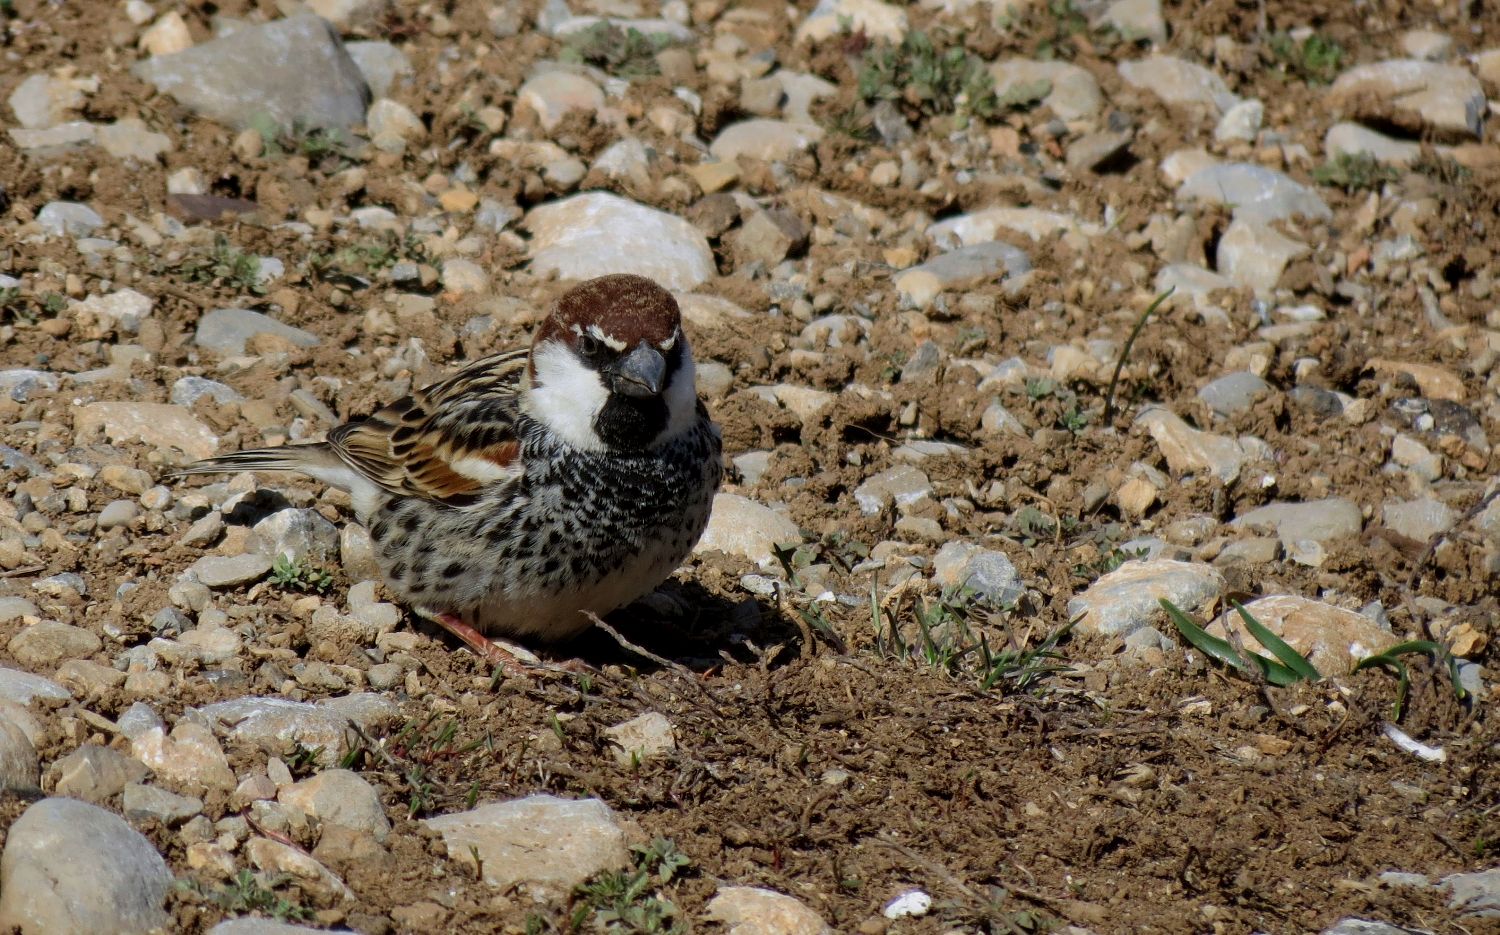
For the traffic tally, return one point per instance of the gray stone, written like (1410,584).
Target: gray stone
(1190,451)
(1254,255)
(1179,82)
(1137,19)
(55,141)
(254,925)
(765,140)
(20,687)
(1234,392)
(1446,99)
(1318,520)
(1255,192)
(69,218)
(12,608)
(71,867)
(740,526)
(1474,894)
(903,485)
(160,425)
(274,724)
(118,513)
(20,771)
(642,738)
(137,720)
(980,263)
(1354,139)
(21,384)
(546,844)
(751,910)
(226,330)
(141,802)
(295,534)
(1241,122)
(48,642)
(130,139)
(291,71)
(94,773)
(188,390)
(230,571)
(1126,599)
(43,101)
(380,63)
(1363,927)
(1069,90)
(1418,519)
(552,95)
(598,233)
(986,572)
(1092,150)
(339,797)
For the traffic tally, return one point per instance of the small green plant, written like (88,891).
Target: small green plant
(293,575)
(621,902)
(625,53)
(1314,60)
(1289,666)
(316,143)
(1065,22)
(1354,172)
(246,893)
(303,760)
(1109,562)
(1442,169)
(927,81)
(224,265)
(367,257)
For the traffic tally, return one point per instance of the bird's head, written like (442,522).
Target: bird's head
(611,368)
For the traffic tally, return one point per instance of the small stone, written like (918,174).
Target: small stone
(21,687)
(1235,392)
(1069,90)
(190,755)
(69,866)
(291,71)
(713,175)
(642,738)
(749,910)
(1435,382)
(904,486)
(42,101)
(1179,82)
(1353,139)
(1254,192)
(47,643)
(1189,451)
(131,140)
(95,774)
(226,330)
(230,571)
(188,390)
(118,513)
(1137,19)
(125,479)
(66,218)
(552,95)
(1127,598)
(13,608)
(392,120)
(1241,122)
(20,770)
(1254,255)
(160,425)
(167,35)
(985,572)
(1418,520)
(765,140)
(298,535)
(141,802)
(462,276)
(547,844)
(380,63)
(276,858)
(100,316)
(1332,638)
(275,724)
(870,17)
(1445,99)
(1316,520)
(740,526)
(339,797)
(598,233)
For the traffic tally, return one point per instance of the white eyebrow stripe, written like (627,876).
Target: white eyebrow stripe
(614,344)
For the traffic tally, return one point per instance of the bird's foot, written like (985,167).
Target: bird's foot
(512,659)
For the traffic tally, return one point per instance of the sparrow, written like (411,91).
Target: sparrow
(537,486)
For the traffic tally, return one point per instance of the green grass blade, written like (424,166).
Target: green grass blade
(1279,648)
(1388,660)
(1426,647)
(1210,646)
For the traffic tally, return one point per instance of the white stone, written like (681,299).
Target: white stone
(750,910)
(871,17)
(740,526)
(1190,451)
(167,35)
(160,425)
(1127,599)
(131,140)
(43,101)
(1354,139)
(1241,122)
(1074,93)
(642,738)
(463,276)
(191,756)
(388,118)
(598,233)
(339,797)
(764,139)
(1447,99)
(1254,255)
(543,843)
(1332,638)
(1254,192)
(552,95)
(1179,82)
(99,316)
(1137,19)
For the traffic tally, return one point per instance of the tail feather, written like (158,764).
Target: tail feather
(308,459)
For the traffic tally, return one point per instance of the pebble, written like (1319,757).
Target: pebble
(230,571)
(12,608)
(598,233)
(648,736)
(968,266)
(904,486)
(131,140)
(981,227)
(1137,19)
(275,724)
(21,687)
(140,802)
(190,756)
(543,843)
(764,139)
(1474,894)
(225,330)
(835,17)
(339,797)
(48,642)
(68,218)
(43,101)
(298,535)
(1072,93)
(168,35)
(381,64)
(96,774)
(1240,122)
(750,910)
(391,122)
(1446,99)
(118,513)
(552,95)
(1126,599)
(986,572)
(160,425)
(1253,254)
(1332,638)
(740,526)
(255,925)
(289,71)
(1418,520)
(69,866)
(1234,392)
(1353,139)
(20,770)
(188,390)
(22,385)
(463,276)
(1190,451)
(1179,82)
(1255,193)
(1317,520)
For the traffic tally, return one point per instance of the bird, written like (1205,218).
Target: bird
(538,486)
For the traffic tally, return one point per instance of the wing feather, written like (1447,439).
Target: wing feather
(444,442)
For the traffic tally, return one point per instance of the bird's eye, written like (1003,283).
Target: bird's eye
(588,346)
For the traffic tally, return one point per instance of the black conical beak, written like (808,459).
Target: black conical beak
(640,373)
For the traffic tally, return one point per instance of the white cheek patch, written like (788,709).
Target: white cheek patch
(566,396)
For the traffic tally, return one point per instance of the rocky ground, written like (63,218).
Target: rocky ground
(920,251)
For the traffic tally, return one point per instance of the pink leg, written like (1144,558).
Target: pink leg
(483,647)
